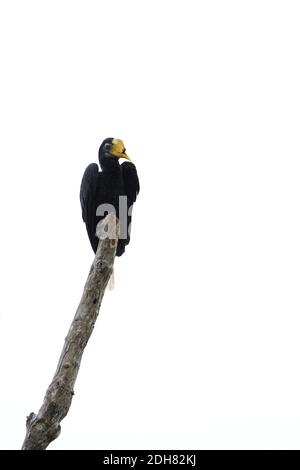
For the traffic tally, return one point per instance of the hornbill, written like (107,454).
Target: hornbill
(101,190)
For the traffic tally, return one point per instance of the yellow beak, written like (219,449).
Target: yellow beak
(118,149)
(124,155)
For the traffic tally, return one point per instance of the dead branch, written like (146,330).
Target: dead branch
(43,428)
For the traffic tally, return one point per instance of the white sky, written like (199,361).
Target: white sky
(198,345)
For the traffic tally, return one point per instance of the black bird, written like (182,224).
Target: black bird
(106,187)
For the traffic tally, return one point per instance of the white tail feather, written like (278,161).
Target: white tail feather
(111,282)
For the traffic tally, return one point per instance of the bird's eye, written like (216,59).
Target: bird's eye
(124,151)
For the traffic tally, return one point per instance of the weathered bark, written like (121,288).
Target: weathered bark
(45,426)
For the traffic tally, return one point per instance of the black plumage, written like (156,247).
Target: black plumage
(106,187)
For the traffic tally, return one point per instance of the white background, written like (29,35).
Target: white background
(198,345)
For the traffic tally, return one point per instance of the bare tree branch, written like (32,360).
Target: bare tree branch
(44,427)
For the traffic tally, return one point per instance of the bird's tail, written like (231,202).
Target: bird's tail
(111,282)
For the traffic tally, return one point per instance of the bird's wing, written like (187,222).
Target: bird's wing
(131,181)
(88,191)
(88,201)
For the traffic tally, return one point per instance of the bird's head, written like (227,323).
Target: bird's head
(112,148)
